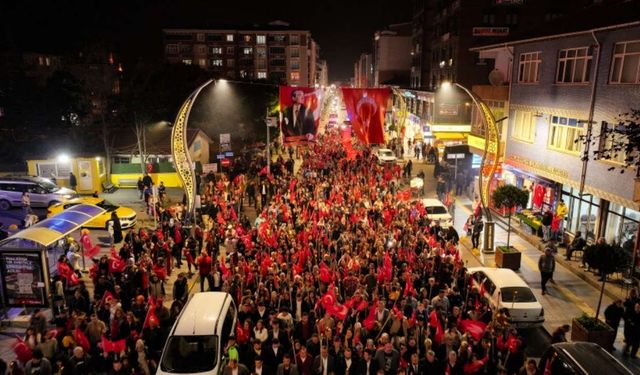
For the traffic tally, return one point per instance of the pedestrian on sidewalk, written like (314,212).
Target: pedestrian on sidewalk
(204,267)
(613,314)
(547,219)
(478,226)
(632,331)
(546,265)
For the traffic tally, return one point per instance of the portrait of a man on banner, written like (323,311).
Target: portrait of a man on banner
(300,112)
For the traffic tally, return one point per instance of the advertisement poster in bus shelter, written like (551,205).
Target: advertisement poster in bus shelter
(366,109)
(23,279)
(299,113)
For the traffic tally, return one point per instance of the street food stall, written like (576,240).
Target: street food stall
(28,258)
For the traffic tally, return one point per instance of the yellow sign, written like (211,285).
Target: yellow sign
(537,166)
(479,143)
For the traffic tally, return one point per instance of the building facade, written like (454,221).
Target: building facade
(562,87)
(443,31)
(392,55)
(322,73)
(276,53)
(363,71)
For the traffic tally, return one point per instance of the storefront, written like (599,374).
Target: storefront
(542,192)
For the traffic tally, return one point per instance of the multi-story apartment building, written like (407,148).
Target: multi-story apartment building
(275,52)
(322,73)
(392,55)
(563,86)
(443,31)
(363,71)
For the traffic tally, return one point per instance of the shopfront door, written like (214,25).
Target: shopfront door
(85,178)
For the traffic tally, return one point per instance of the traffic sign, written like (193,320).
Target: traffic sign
(228,154)
(225,162)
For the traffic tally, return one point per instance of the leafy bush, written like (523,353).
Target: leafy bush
(506,249)
(592,324)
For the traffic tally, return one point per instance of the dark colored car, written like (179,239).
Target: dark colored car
(579,358)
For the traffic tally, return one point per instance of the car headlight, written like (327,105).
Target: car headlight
(67,196)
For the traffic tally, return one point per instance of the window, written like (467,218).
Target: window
(574,65)
(625,67)
(295,64)
(172,48)
(247,38)
(564,132)
(230,51)
(622,225)
(190,354)
(511,19)
(47,61)
(200,37)
(261,64)
(261,39)
(294,39)
(295,76)
(121,160)
(295,52)
(489,18)
(261,51)
(247,51)
(276,50)
(215,50)
(216,62)
(614,143)
(524,126)
(278,62)
(229,37)
(262,75)
(583,212)
(278,38)
(202,62)
(187,61)
(230,62)
(529,71)
(214,38)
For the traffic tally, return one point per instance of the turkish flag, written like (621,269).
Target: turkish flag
(366,109)
(474,327)
(113,346)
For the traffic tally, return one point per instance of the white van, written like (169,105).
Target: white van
(505,289)
(42,191)
(197,339)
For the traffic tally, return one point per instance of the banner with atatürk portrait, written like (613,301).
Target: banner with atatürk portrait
(299,113)
(366,109)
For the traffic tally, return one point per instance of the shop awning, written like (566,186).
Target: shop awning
(449,135)
(54,228)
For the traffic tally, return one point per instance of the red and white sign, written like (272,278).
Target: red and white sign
(366,109)
(225,162)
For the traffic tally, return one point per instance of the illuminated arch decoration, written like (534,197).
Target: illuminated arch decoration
(180,150)
(489,163)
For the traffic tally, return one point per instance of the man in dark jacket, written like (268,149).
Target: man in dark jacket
(324,364)
(613,314)
(577,244)
(632,331)
(388,359)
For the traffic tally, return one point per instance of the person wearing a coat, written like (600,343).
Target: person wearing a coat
(324,363)
(286,367)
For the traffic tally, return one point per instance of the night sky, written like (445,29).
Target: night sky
(343,28)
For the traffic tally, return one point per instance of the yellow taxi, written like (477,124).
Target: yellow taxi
(126,215)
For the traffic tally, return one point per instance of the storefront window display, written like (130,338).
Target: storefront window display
(622,225)
(583,212)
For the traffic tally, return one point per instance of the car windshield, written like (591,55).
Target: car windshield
(190,354)
(386,153)
(436,210)
(107,205)
(517,294)
(48,185)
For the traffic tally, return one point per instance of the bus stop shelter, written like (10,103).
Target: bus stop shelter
(28,258)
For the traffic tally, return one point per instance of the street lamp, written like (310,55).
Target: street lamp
(489,159)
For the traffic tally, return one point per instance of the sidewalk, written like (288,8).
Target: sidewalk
(569,296)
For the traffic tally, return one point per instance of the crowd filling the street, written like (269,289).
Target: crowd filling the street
(342,272)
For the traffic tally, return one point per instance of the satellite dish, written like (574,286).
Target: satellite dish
(496,78)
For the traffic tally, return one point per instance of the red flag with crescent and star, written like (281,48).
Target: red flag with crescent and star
(366,109)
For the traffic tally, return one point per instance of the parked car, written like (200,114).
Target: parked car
(582,358)
(503,288)
(42,191)
(126,215)
(385,156)
(436,210)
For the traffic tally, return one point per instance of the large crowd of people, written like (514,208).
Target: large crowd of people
(342,272)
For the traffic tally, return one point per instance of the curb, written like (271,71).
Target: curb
(559,259)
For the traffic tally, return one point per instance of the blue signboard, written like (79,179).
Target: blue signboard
(228,154)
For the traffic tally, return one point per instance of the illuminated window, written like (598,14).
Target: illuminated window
(261,39)
(41,60)
(295,76)
(524,126)
(564,132)
(187,61)
(215,50)
(247,38)
(229,37)
(202,62)
(248,51)
(262,75)
(295,64)
(625,67)
(172,48)
(261,51)
(200,37)
(574,65)
(202,50)
(294,39)
(529,71)
(216,62)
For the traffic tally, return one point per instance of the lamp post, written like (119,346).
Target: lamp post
(180,150)
(489,160)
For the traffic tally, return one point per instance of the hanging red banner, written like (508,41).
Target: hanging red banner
(366,109)
(299,113)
